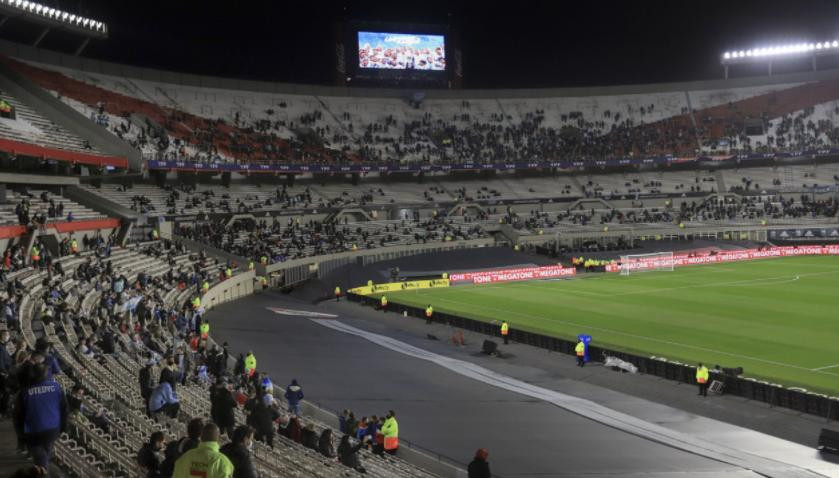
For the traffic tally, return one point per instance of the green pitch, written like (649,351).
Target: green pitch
(776,318)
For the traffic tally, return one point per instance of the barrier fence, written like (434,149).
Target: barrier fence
(774,395)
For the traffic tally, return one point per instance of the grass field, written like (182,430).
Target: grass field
(776,318)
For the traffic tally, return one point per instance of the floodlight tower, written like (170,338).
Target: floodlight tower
(771,54)
(52,18)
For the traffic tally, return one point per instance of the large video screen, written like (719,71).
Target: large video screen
(401,51)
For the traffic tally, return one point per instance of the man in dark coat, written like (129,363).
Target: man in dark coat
(222,407)
(238,451)
(479,467)
(149,455)
(262,419)
(348,454)
(145,380)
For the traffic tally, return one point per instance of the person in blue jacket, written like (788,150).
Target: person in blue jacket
(294,393)
(41,415)
(163,399)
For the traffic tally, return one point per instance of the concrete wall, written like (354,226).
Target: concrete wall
(384,253)
(237,287)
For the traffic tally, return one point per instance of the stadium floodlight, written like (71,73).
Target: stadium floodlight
(52,17)
(771,53)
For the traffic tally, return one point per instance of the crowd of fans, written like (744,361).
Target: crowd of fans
(750,208)
(282,239)
(502,137)
(131,317)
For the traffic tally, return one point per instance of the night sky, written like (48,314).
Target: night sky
(505,45)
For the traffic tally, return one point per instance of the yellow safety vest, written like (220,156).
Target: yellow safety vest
(390,430)
(702,374)
(337,291)
(155,234)
(205,286)
(74,245)
(228,273)
(36,253)
(196,302)
(205,330)
(205,461)
(250,364)
(429,311)
(505,328)
(250,265)
(384,301)
(580,349)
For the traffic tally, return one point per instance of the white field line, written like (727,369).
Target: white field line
(642,337)
(823,368)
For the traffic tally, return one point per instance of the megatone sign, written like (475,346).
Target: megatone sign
(726,256)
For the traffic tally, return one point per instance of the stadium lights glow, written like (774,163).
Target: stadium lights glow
(782,50)
(34,8)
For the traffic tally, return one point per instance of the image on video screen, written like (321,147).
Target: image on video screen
(401,51)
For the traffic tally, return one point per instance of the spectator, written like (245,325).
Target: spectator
(262,418)
(223,406)
(43,347)
(479,467)
(294,430)
(204,460)
(239,452)
(325,446)
(348,454)
(310,437)
(294,393)
(145,380)
(5,369)
(149,457)
(163,399)
(176,448)
(41,415)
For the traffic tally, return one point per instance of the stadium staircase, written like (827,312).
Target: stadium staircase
(693,121)
(720,180)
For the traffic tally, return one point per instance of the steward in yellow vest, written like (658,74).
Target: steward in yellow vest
(702,377)
(580,351)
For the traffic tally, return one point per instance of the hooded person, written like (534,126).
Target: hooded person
(294,393)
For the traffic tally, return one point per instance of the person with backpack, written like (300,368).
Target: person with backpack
(176,448)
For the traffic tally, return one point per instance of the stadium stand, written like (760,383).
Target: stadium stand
(113,308)
(28,126)
(102,338)
(223,125)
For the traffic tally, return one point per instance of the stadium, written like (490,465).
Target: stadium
(382,266)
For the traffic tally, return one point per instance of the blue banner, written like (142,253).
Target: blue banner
(284,168)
